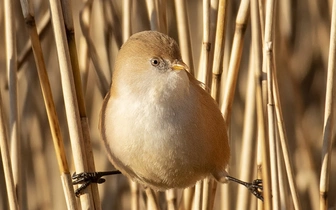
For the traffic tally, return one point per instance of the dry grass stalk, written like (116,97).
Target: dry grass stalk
(187,198)
(206,198)
(203,76)
(153,17)
(269,65)
(126,20)
(162,13)
(11,64)
(202,73)
(135,191)
(184,33)
(70,31)
(152,202)
(71,104)
(171,198)
(84,20)
(272,130)
(49,104)
(284,144)
(263,155)
(237,48)
(45,24)
(247,159)
(198,195)
(6,160)
(329,116)
(218,49)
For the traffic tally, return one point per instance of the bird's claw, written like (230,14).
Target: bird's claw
(256,188)
(85,179)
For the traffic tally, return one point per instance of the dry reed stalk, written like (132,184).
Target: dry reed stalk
(284,144)
(162,13)
(70,31)
(83,61)
(187,198)
(5,157)
(126,19)
(225,196)
(45,24)
(28,15)
(152,9)
(328,124)
(207,183)
(113,24)
(171,198)
(198,195)
(152,202)
(135,191)
(283,188)
(218,49)
(70,99)
(269,65)
(202,73)
(36,140)
(14,123)
(213,190)
(237,48)
(263,168)
(248,154)
(85,20)
(203,76)
(184,33)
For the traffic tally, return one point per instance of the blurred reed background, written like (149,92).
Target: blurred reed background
(262,51)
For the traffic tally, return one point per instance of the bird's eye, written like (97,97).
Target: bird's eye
(155,61)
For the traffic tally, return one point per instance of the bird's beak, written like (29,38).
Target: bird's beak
(178,65)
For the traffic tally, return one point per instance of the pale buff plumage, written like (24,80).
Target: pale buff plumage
(159,126)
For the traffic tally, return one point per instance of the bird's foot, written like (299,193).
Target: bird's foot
(86,178)
(254,187)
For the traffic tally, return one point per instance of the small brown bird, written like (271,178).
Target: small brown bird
(159,126)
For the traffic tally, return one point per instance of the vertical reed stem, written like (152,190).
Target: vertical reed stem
(6,160)
(11,63)
(237,48)
(184,33)
(269,65)
(328,124)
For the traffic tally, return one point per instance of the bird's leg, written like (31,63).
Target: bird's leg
(254,187)
(86,178)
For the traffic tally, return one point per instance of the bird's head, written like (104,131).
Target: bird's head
(150,62)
